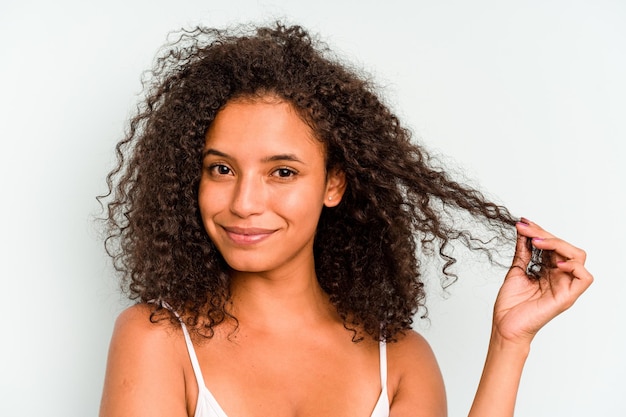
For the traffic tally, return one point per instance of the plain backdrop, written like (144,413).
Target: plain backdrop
(528,98)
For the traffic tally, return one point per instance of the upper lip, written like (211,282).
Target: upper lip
(248,230)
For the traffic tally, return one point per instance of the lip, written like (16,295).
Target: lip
(247,235)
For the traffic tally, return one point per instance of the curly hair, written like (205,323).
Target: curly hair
(399,206)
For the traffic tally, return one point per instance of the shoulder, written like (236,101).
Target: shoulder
(409,344)
(142,356)
(137,318)
(135,330)
(415,381)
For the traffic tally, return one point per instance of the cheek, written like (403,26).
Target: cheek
(208,211)
(305,204)
(209,203)
(203,199)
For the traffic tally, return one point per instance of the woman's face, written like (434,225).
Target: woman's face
(263,186)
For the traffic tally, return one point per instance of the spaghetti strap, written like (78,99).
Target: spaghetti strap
(382,405)
(192,355)
(383,365)
(190,350)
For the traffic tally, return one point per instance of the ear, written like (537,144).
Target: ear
(335,187)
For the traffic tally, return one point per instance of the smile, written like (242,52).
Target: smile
(247,236)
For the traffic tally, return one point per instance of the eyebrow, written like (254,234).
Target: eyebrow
(215,152)
(283,157)
(280,157)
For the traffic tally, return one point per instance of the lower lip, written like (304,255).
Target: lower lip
(244,240)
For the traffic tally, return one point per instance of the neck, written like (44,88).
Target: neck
(279,302)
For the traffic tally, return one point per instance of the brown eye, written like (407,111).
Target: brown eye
(220,169)
(284,173)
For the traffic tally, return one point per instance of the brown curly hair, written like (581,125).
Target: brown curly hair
(398,201)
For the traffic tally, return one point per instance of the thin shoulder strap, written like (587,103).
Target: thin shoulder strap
(192,355)
(192,352)
(382,348)
(381,409)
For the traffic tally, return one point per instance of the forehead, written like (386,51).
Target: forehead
(261,123)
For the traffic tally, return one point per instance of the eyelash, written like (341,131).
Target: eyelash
(290,172)
(285,173)
(214,169)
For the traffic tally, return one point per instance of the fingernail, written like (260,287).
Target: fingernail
(537,239)
(521,223)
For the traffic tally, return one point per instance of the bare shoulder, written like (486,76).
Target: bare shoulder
(135,331)
(410,355)
(415,381)
(409,345)
(144,364)
(137,319)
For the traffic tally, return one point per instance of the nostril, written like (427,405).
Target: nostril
(248,198)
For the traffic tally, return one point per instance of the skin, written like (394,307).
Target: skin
(262,189)
(522,308)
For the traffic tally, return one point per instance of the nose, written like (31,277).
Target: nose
(248,198)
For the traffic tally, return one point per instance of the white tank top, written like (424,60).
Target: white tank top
(207,405)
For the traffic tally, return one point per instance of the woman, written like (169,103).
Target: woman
(272,218)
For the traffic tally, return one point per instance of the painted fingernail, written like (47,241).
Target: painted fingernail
(537,239)
(521,223)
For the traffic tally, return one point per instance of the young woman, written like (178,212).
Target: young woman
(272,218)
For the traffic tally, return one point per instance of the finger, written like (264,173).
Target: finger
(580,276)
(565,250)
(542,239)
(522,250)
(530,229)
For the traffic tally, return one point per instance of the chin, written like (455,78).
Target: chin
(249,266)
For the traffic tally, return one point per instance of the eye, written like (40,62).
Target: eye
(284,173)
(220,169)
